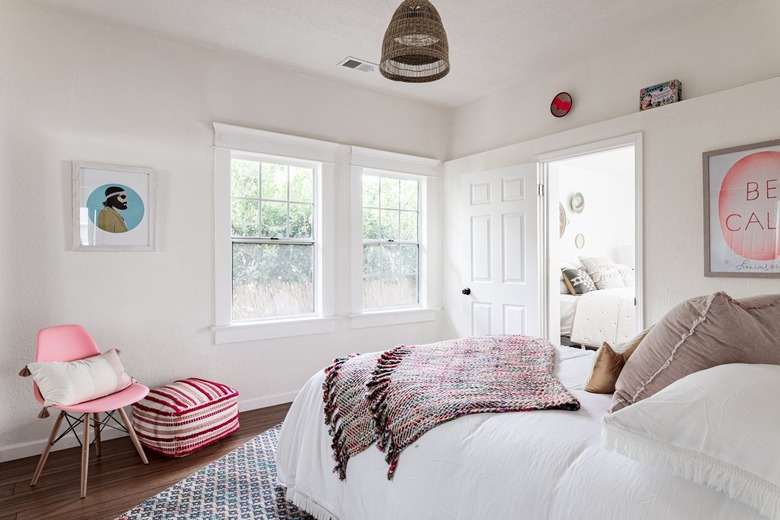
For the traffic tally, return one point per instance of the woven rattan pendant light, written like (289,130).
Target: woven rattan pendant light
(415,48)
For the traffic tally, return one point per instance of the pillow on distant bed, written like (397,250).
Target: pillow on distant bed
(603,272)
(701,333)
(627,274)
(72,382)
(577,280)
(716,427)
(609,363)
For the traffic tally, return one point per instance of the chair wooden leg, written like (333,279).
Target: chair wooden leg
(96,426)
(47,449)
(133,436)
(85,456)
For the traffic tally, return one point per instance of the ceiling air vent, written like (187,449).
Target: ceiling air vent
(358,64)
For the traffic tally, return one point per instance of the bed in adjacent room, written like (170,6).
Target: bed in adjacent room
(597,302)
(586,463)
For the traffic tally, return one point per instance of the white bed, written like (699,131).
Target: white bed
(568,310)
(598,316)
(545,464)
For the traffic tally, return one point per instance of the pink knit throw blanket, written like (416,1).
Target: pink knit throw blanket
(394,399)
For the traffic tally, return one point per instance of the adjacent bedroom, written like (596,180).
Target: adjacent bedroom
(397,260)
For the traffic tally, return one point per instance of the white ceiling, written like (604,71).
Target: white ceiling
(494,44)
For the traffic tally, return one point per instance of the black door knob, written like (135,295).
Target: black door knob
(466,291)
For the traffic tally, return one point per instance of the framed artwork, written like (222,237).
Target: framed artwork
(742,211)
(113,207)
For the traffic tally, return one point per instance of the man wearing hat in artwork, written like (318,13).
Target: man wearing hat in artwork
(109,219)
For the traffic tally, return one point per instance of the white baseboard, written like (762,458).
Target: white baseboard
(265,402)
(35,448)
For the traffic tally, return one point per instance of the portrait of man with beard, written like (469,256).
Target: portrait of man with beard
(109,219)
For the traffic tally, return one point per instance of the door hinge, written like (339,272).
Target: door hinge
(540,190)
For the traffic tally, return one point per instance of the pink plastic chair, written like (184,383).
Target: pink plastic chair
(70,343)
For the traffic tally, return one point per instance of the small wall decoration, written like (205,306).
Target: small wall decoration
(577,202)
(579,241)
(561,104)
(742,211)
(661,94)
(562,218)
(113,207)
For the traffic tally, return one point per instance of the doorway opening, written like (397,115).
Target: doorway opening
(592,255)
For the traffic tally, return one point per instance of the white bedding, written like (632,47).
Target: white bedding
(568,310)
(605,315)
(545,464)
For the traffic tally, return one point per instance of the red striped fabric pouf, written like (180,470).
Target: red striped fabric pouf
(186,415)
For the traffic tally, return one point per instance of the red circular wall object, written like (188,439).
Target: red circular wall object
(561,104)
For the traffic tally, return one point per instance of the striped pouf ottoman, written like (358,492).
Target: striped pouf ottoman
(186,415)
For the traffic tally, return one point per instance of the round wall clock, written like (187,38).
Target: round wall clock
(561,104)
(577,202)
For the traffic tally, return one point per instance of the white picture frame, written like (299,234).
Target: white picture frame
(113,207)
(742,211)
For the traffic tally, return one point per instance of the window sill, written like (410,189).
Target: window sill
(393,317)
(238,332)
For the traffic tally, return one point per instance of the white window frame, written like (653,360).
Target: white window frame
(389,164)
(229,138)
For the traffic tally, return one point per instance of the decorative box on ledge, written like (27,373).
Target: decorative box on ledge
(186,415)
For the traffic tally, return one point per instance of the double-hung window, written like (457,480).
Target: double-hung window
(391,238)
(273,239)
(272,225)
(391,245)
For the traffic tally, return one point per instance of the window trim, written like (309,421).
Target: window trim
(389,164)
(336,183)
(230,138)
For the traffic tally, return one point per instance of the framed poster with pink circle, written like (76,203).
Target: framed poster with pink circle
(742,210)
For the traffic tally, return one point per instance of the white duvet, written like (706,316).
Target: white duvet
(545,464)
(605,315)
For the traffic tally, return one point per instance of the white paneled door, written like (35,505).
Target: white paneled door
(501,289)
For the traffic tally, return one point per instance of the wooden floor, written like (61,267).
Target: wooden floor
(118,480)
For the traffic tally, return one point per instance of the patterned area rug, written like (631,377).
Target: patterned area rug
(242,484)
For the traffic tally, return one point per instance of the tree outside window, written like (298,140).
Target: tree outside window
(273,243)
(390,241)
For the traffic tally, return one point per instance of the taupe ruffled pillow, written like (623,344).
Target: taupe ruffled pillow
(701,333)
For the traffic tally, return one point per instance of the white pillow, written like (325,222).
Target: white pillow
(628,275)
(72,382)
(717,427)
(602,271)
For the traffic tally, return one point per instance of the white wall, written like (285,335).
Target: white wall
(727,61)
(735,45)
(674,138)
(73,89)
(606,222)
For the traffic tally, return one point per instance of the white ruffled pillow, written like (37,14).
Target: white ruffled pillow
(717,427)
(71,382)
